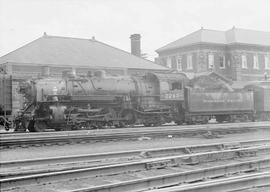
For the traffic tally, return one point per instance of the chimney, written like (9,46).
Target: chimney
(136,44)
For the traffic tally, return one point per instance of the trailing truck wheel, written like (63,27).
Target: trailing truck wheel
(129,117)
(37,126)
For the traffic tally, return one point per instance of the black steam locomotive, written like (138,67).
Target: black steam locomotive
(99,100)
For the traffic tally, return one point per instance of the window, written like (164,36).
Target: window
(222,62)
(255,62)
(244,61)
(179,63)
(210,61)
(176,85)
(169,62)
(189,62)
(267,62)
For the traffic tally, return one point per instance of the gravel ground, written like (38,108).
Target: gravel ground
(112,146)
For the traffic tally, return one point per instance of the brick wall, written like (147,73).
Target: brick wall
(233,63)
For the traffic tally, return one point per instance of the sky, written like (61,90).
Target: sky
(113,21)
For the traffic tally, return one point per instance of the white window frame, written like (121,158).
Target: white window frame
(211,61)
(223,61)
(189,62)
(255,62)
(169,62)
(244,61)
(179,66)
(267,61)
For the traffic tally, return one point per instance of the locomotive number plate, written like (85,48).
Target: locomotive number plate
(172,96)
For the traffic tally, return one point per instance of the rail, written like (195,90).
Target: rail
(10,168)
(118,134)
(137,128)
(239,183)
(149,164)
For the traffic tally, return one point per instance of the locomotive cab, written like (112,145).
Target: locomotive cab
(160,97)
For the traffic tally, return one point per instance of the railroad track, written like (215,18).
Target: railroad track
(97,131)
(122,134)
(148,173)
(187,178)
(43,165)
(238,183)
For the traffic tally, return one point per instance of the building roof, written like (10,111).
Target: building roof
(231,36)
(54,50)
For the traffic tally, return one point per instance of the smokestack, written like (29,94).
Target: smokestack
(136,44)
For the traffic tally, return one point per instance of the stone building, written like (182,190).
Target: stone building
(238,54)
(51,55)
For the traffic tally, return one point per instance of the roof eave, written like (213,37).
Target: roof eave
(189,45)
(248,44)
(208,43)
(80,66)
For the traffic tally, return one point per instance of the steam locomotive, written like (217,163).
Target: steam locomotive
(99,100)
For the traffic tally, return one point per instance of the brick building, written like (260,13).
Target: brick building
(51,55)
(238,54)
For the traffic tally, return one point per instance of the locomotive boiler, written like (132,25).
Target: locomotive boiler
(99,100)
